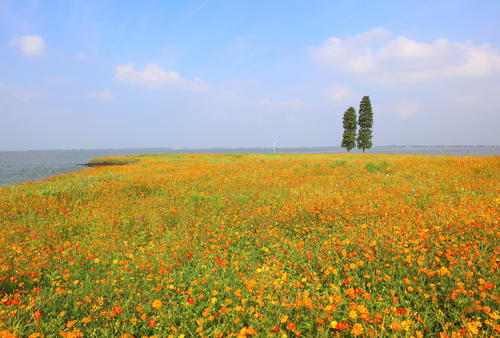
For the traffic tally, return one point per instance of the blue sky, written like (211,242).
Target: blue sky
(104,74)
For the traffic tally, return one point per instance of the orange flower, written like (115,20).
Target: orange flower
(290,326)
(247,331)
(157,304)
(71,323)
(396,326)
(152,323)
(86,320)
(357,329)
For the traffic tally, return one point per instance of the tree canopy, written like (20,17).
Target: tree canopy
(349,122)
(365,122)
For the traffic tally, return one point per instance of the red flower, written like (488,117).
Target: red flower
(38,314)
(342,326)
(117,310)
(191,300)
(152,323)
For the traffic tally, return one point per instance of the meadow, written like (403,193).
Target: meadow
(264,245)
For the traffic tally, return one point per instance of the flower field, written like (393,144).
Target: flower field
(264,245)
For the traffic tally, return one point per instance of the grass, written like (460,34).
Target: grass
(117,160)
(212,245)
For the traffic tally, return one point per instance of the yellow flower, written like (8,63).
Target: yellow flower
(157,304)
(284,319)
(362,308)
(353,314)
(472,328)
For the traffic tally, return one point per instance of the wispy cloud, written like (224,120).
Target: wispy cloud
(22,95)
(154,77)
(82,57)
(375,56)
(336,93)
(105,95)
(29,45)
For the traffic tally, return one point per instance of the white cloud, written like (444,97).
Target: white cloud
(29,45)
(294,104)
(290,110)
(407,109)
(105,95)
(375,56)
(376,35)
(153,77)
(81,57)
(336,93)
(23,95)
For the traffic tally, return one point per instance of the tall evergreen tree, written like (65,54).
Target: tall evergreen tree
(349,137)
(365,121)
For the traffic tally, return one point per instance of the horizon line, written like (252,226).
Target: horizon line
(177,148)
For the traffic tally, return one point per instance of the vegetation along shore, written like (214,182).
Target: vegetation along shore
(245,244)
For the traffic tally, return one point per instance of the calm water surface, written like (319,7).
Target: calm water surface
(20,166)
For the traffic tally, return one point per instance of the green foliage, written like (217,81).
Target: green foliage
(243,199)
(381,166)
(349,122)
(337,163)
(365,122)
(197,198)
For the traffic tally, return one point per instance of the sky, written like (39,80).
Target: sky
(196,74)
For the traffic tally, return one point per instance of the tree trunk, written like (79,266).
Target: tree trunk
(363,150)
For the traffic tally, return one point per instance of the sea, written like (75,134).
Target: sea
(22,166)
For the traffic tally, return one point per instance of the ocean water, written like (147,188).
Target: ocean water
(22,166)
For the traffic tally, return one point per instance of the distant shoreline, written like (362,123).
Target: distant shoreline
(221,149)
(22,166)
